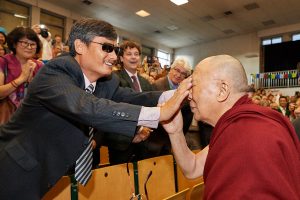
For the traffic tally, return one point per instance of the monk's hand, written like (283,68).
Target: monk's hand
(170,107)
(174,125)
(142,134)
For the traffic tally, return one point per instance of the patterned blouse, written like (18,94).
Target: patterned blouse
(13,71)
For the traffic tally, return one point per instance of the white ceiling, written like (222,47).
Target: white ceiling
(198,21)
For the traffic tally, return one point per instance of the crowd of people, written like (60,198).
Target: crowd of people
(289,106)
(100,93)
(23,52)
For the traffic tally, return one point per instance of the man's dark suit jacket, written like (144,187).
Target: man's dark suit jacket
(126,81)
(162,84)
(120,147)
(44,137)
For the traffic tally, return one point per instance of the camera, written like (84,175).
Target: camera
(150,60)
(44,31)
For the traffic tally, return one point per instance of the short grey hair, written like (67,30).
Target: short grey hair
(183,63)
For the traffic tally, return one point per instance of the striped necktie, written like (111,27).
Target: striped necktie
(135,83)
(83,167)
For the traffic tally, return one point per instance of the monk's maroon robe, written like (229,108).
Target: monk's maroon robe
(254,154)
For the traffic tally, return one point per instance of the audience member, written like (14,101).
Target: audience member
(297,108)
(180,69)
(151,62)
(292,99)
(165,70)
(264,102)
(2,35)
(58,41)
(121,150)
(153,75)
(66,49)
(283,106)
(56,50)
(157,65)
(274,106)
(256,99)
(296,121)
(263,92)
(45,37)
(21,67)
(291,108)
(271,98)
(254,151)
(297,94)
(45,137)
(142,72)
(2,50)
(3,39)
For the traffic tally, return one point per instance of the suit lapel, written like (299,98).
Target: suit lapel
(143,83)
(127,78)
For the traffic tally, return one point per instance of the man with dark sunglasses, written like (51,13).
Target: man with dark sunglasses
(107,47)
(52,129)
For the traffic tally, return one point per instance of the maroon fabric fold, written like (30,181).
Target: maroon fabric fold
(254,154)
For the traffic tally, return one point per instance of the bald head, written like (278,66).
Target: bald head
(218,82)
(225,67)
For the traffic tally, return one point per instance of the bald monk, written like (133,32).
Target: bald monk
(254,152)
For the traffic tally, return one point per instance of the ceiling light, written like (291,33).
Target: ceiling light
(20,16)
(179,2)
(142,13)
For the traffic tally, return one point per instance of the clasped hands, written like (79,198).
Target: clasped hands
(27,71)
(167,109)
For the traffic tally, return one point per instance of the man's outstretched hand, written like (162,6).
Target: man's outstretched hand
(171,107)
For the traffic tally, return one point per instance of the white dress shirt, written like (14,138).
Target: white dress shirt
(149,116)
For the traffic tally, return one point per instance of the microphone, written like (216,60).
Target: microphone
(145,184)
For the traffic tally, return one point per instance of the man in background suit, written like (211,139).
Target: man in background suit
(121,148)
(45,136)
(180,69)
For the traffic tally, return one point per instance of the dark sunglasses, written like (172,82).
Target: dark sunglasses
(108,48)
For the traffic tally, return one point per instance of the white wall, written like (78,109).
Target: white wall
(143,41)
(243,47)
(282,30)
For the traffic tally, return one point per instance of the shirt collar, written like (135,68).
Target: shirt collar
(131,74)
(171,84)
(87,82)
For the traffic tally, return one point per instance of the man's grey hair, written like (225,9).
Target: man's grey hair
(183,63)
